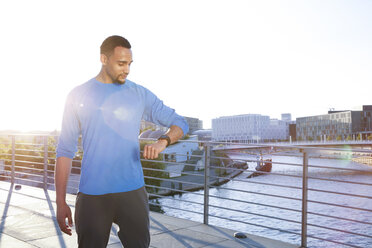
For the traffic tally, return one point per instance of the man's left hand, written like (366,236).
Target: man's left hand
(152,151)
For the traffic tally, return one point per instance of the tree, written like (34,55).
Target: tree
(370,137)
(338,138)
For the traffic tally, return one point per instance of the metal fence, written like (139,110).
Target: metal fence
(315,198)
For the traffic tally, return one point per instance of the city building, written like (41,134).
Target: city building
(286,117)
(292,131)
(194,124)
(340,125)
(248,128)
(278,130)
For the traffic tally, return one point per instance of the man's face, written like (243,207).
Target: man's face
(117,65)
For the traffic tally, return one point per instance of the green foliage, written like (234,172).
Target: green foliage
(156,165)
(6,151)
(359,137)
(186,137)
(348,138)
(370,137)
(338,138)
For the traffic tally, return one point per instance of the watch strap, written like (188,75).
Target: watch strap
(165,137)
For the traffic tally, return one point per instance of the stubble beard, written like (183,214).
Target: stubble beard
(118,81)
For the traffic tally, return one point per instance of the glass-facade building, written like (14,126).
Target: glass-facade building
(248,128)
(335,125)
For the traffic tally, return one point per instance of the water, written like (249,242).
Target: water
(257,222)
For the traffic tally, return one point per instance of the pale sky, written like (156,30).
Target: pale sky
(204,58)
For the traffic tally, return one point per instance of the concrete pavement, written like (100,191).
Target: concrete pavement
(28,219)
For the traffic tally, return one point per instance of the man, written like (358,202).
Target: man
(107,111)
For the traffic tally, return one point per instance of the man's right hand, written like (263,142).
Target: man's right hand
(63,213)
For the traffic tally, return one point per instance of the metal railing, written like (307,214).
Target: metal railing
(291,203)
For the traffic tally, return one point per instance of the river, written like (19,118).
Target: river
(340,199)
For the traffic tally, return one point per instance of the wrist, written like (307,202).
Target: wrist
(60,201)
(165,138)
(163,142)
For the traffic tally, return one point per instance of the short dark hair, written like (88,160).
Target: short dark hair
(109,44)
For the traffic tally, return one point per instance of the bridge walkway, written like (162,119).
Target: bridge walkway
(28,219)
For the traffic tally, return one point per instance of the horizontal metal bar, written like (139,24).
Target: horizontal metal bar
(27,168)
(339,230)
(336,205)
(71,187)
(340,218)
(256,214)
(339,181)
(26,150)
(28,174)
(173,190)
(172,180)
(255,171)
(28,156)
(28,144)
(337,168)
(73,181)
(253,224)
(340,193)
(156,204)
(184,173)
(332,241)
(271,184)
(175,199)
(68,186)
(252,192)
(28,180)
(227,168)
(167,162)
(27,162)
(255,161)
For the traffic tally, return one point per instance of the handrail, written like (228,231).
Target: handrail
(15,162)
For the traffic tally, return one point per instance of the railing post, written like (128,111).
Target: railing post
(45,162)
(206,181)
(13,159)
(304,198)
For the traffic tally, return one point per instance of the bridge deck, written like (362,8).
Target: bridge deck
(29,220)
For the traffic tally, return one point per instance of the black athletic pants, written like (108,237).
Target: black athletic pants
(94,215)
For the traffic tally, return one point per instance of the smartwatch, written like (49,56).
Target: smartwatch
(165,137)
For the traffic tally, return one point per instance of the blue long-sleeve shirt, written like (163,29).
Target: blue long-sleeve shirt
(108,116)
